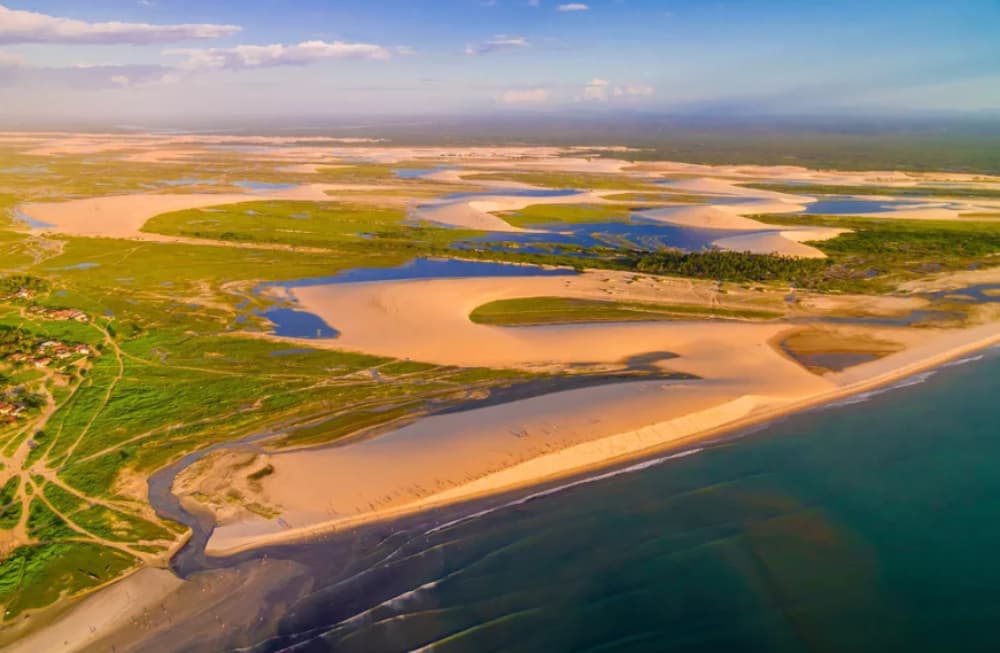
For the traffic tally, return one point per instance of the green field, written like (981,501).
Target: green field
(541,214)
(564,310)
(307,224)
(893,191)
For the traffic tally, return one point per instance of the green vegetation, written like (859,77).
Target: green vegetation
(564,310)
(15,283)
(10,504)
(307,224)
(879,253)
(263,472)
(894,191)
(540,214)
(35,576)
(733,266)
(849,145)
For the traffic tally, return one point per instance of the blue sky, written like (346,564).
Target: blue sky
(217,57)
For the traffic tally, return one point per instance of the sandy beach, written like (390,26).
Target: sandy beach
(742,378)
(113,608)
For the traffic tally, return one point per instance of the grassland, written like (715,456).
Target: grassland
(563,310)
(539,214)
(892,191)
(307,224)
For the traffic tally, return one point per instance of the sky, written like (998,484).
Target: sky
(120,58)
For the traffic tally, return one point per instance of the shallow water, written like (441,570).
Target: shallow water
(515,192)
(21,216)
(290,323)
(424,268)
(186,181)
(418,173)
(639,233)
(834,205)
(861,527)
(263,185)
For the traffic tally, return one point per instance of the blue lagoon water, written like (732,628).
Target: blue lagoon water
(21,216)
(425,268)
(834,205)
(262,185)
(418,173)
(638,233)
(291,323)
(515,192)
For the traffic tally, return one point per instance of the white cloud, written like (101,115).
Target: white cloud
(573,6)
(633,90)
(499,43)
(264,56)
(17,26)
(596,89)
(526,96)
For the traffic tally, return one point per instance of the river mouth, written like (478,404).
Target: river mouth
(191,557)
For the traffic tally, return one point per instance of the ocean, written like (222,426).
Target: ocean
(870,525)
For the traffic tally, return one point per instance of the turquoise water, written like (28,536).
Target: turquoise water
(870,526)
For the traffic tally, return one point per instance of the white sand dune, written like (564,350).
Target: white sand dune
(768,239)
(477,212)
(122,216)
(787,242)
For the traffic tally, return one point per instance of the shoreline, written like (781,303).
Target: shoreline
(914,361)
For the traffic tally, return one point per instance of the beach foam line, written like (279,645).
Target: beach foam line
(631,469)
